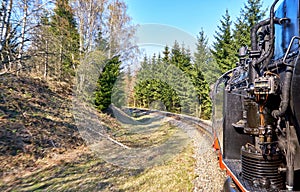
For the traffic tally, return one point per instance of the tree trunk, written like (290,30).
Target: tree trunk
(4,31)
(46,61)
(81,38)
(3,18)
(6,21)
(21,46)
(60,61)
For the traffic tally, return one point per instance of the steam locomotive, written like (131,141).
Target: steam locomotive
(256,112)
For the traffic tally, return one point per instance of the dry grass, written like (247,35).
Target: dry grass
(160,135)
(82,170)
(41,149)
(175,175)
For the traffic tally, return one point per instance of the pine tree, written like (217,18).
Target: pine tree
(202,89)
(175,82)
(153,87)
(180,57)
(166,53)
(223,47)
(250,15)
(63,27)
(204,60)
(106,83)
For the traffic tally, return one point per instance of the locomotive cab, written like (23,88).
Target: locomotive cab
(256,112)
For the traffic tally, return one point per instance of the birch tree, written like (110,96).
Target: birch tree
(120,31)
(107,20)
(22,35)
(90,19)
(5,28)
(18,20)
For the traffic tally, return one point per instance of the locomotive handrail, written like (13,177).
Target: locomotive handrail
(289,49)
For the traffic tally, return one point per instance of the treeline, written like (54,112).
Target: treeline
(233,35)
(174,81)
(161,86)
(52,38)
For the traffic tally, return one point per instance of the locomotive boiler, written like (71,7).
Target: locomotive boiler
(256,113)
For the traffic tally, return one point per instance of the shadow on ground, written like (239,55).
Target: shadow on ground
(86,172)
(34,120)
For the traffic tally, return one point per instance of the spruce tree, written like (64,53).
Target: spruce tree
(175,81)
(250,15)
(180,57)
(63,27)
(204,60)
(106,83)
(202,89)
(223,50)
(166,53)
(182,61)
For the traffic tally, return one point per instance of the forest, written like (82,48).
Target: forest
(53,50)
(50,39)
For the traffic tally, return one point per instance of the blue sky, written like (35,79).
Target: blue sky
(188,16)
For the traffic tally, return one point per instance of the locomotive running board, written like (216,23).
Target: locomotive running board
(233,176)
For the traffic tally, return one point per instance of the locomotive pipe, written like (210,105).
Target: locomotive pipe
(290,178)
(269,54)
(286,87)
(286,84)
(290,155)
(285,93)
(272,31)
(254,32)
(254,47)
(256,27)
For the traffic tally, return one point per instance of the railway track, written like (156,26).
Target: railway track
(210,176)
(203,126)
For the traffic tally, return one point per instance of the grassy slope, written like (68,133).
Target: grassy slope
(41,149)
(83,171)
(35,121)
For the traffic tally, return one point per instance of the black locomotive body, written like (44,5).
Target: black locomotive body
(257,106)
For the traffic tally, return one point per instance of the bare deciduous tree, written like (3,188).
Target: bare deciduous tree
(5,17)
(120,31)
(18,21)
(89,15)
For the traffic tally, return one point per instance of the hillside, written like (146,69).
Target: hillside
(41,148)
(35,122)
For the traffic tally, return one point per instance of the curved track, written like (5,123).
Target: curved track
(210,176)
(203,125)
